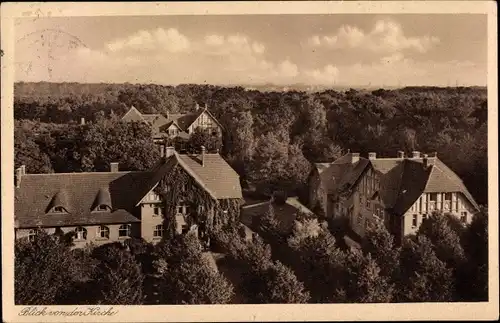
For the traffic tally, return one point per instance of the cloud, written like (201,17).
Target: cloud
(167,56)
(386,36)
(170,40)
(326,76)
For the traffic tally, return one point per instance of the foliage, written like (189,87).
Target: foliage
(276,284)
(379,243)
(118,278)
(45,270)
(365,282)
(445,240)
(424,278)
(203,137)
(188,278)
(476,266)
(209,213)
(322,264)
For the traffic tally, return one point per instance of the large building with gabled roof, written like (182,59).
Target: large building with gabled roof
(176,125)
(401,191)
(103,207)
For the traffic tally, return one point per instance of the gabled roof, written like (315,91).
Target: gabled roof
(402,180)
(77,193)
(216,177)
(133,115)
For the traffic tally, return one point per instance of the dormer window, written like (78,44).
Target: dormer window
(59,209)
(102,208)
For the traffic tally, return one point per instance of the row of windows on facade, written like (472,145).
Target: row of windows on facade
(180,209)
(124,231)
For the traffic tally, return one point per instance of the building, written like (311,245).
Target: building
(102,207)
(400,191)
(179,126)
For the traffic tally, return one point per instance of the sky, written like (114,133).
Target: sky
(328,50)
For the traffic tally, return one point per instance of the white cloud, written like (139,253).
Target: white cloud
(326,76)
(170,40)
(214,40)
(386,36)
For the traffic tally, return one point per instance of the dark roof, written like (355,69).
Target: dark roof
(216,176)
(77,193)
(402,180)
(80,193)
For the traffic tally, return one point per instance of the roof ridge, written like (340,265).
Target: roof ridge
(87,173)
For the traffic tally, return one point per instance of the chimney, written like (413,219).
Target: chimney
(206,107)
(416,154)
(354,157)
(197,106)
(20,172)
(203,156)
(435,154)
(401,154)
(162,150)
(169,151)
(372,156)
(425,161)
(82,121)
(114,167)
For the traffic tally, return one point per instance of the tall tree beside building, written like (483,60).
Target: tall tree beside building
(43,270)
(188,277)
(424,277)
(118,277)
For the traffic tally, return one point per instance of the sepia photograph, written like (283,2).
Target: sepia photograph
(200,156)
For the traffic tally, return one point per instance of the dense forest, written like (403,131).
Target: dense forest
(270,137)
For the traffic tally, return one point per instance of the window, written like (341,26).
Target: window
(414,222)
(31,235)
(433,197)
(81,233)
(184,187)
(124,230)
(463,217)
(447,196)
(157,210)
(183,209)
(103,232)
(58,209)
(367,204)
(185,228)
(424,217)
(102,208)
(158,231)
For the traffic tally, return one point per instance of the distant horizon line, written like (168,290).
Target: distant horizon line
(267,85)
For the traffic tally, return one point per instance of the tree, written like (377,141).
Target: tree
(321,264)
(203,137)
(445,240)
(424,278)
(276,284)
(43,270)
(118,278)
(129,143)
(28,153)
(379,243)
(365,282)
(268,222)
(187,277)
(475,270)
